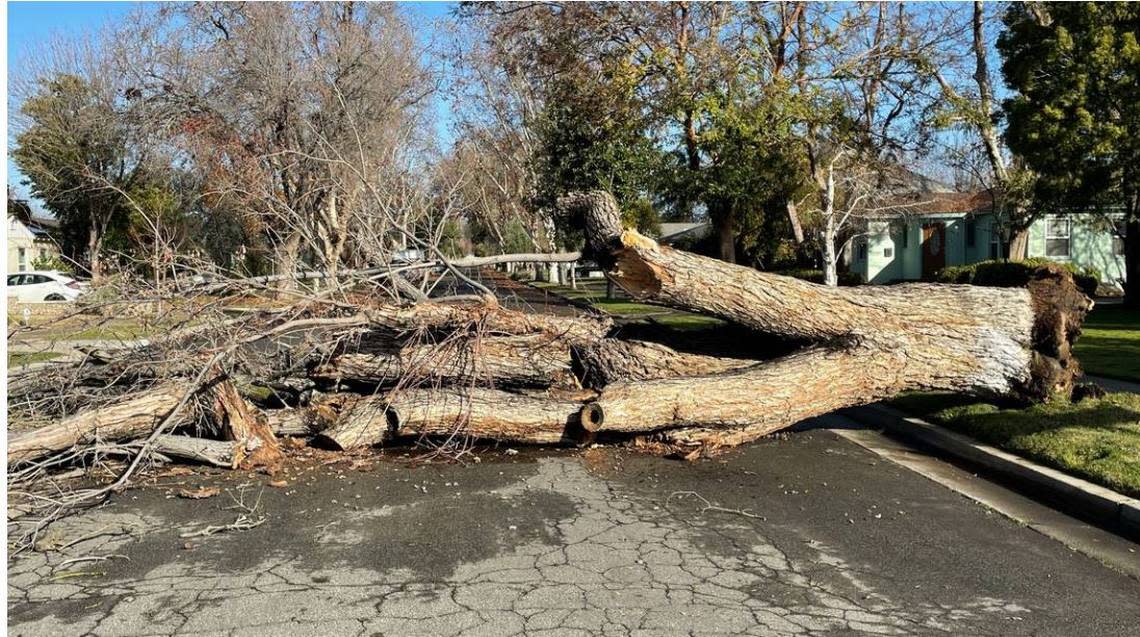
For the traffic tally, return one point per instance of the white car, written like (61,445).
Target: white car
(43,285)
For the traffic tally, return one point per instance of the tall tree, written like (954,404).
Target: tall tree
(970,105)
(1075,117)
(80,155)
(280,106)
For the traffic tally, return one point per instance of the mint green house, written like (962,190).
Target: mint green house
(960,228)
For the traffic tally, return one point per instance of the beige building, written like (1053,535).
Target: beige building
(29,238)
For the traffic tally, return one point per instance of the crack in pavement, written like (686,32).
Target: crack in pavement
(610,560)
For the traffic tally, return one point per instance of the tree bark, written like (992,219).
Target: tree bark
(244,424)
(132,416)
(612,360)
(869,342)
(536,360)
(94,251)
(1018,249)
(219,453)
(475,412)
(489,319)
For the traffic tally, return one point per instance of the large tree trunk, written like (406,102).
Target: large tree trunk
(1018,249)
(611,360)
(537,360)
(130,417)
(474,412)
(871,342)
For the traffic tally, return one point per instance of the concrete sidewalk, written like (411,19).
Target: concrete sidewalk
(803,534)
(1113,385)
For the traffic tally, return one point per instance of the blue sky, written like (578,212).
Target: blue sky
(30,23)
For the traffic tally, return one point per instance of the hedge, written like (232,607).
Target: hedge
(1013,274)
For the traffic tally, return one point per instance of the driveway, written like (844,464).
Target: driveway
(801,534)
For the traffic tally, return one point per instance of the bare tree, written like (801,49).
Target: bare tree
(280,108)
(967,85)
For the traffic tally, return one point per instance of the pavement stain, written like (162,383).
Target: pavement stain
(572,542)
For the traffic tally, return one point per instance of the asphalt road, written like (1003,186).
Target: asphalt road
(805,534)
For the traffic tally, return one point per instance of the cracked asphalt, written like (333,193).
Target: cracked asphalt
(804,534)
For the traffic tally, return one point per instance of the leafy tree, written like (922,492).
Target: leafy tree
(593,135)
(77,154)
(1075,117)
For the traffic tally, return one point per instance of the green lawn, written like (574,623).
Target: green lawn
(593,292)
(16,359)
(1110,343)
(1097,439)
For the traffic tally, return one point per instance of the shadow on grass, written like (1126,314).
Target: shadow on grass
(1096,439)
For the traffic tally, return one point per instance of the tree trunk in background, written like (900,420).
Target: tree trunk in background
(1019,244)
(794,219)
(285,261)
(1132,260)
(95,253)
(726,237)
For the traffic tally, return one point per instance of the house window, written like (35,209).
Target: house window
(22,259)
(1057,231)
(888,252)
(971,233)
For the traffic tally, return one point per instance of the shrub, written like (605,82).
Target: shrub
(1015,274)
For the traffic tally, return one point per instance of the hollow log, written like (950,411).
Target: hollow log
(862,344)
(132,416)
(537,360)
(476,412)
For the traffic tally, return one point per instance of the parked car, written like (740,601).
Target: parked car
(43,285)
(408,256)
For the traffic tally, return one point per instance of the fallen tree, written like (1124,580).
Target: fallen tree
(869,342)
(367,373)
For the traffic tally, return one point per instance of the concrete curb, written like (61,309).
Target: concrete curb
(1116,511)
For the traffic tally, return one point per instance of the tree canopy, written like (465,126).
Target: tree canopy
(1075,116)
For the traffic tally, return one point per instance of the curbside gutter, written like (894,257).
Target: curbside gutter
(1113,510)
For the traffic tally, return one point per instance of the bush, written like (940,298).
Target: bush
(1015,274)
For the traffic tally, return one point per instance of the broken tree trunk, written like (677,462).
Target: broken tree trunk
(612,360)
(870,342)
(489,319)
(244,424)
(132,416)
(476,412)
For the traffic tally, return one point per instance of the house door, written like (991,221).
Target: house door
(933,248)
